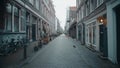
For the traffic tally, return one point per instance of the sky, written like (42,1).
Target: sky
(61,8)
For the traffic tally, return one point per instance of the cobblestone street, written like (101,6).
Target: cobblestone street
(59,33)
(65,52)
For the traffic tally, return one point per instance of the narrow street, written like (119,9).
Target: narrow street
(59,33)
(65,52)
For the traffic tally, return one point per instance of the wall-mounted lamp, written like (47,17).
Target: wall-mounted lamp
(101,21)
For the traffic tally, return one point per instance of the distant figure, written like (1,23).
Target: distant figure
(50,39)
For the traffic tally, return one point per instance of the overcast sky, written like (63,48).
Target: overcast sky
(61,8)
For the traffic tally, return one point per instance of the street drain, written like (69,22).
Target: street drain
(74,46)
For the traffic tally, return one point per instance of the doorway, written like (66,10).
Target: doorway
(103,40)
(33,32)
(117,10)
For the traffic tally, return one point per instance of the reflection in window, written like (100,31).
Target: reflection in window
(23,17)
(37,4)
(31,1)
(87,7)
(28,27)
(99,2)
(94,4)
(27,17)
(8,19)
(16,19)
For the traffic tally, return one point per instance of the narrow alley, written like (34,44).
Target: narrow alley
(59,33)
(65,52)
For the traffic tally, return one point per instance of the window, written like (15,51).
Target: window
(87,7)
(21,1)
(31,1)
(16,19)
(8,19)
(94,33)
(28,17)
(23,21)
(79,2)
(28,22)
(90,33)
(42,7)
(87,34)
(91,5)
(82,12)
(37,4)
(79,15)
(79,32)
(94,4)
(34,20)
(99,2)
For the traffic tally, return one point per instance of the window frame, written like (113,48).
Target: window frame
(17,19)
(8,24)
(22,20)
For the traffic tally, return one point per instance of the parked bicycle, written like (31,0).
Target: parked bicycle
(4,48)
(7,48)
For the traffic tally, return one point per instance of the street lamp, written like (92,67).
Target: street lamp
(102,20)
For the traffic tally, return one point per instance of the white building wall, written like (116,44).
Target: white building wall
(89,23)
(112,45)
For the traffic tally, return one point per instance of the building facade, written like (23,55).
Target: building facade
(29,19)
(97,26)
(58,28)
(113,15)
(91,26)
(71,21)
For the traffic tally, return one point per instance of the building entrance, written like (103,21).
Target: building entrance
(117,10)
(33,32)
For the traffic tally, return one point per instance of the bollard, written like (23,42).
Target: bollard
(25,51)
(40,43)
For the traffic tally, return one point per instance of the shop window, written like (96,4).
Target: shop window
(8,18)
(16,19)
